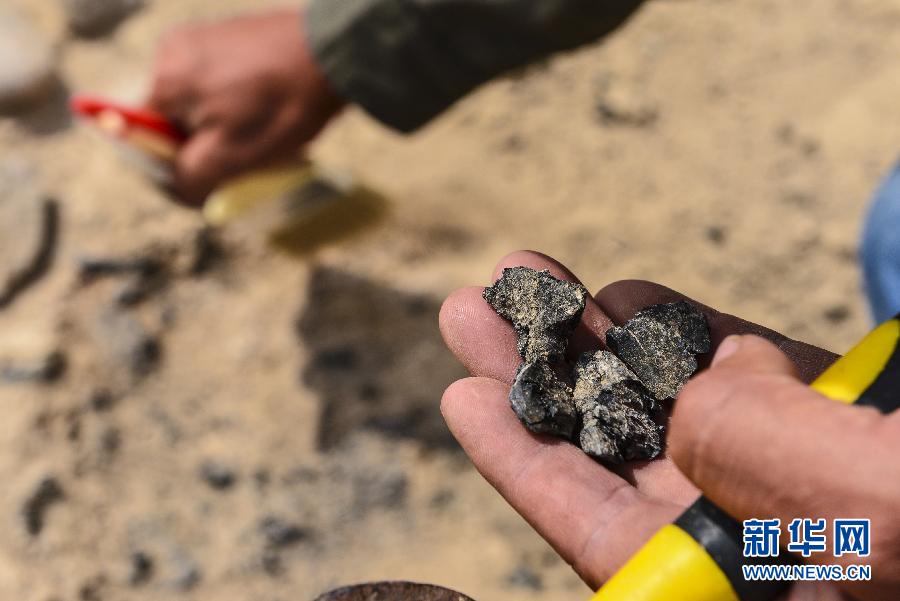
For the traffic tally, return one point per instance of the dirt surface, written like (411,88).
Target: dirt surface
(265,426)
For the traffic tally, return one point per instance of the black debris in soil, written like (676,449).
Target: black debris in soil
(93,269)
(281,533)
(217,475)
(141,569)
(145,356)
(101,400)
(208,252)
(145,276)
(543,310)
(660,344)
(46,371)
(35,507)
(41,260)
(620,418)
(542,401)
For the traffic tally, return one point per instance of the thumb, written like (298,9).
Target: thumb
(759,443)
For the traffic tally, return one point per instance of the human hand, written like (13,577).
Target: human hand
(597,517)
(246,90)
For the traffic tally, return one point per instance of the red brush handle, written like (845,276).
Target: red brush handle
(91,106)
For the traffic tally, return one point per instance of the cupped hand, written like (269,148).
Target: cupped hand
(597,517)
(246,90)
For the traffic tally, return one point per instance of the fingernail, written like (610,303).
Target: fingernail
(727,348)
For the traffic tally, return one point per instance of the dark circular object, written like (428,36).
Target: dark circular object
(393,591)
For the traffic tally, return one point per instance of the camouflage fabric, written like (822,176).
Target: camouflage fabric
(405,61)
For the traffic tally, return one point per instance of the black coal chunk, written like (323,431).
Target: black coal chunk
(621,421)
(543,310)
(543,401)
(660,344)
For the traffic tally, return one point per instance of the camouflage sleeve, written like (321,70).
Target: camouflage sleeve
(405,61)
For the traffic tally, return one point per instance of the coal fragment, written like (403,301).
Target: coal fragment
(660,344)
(543,310)
(620,418)
(543,401)
(35,507)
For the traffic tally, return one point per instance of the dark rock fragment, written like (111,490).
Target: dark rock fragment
(542,401)
(543,310)
(660,344)
(101,400)
(90,269)
(217,475)
(141,568)
(618,413)
(837,313)
(208,252)
(146,275)
(281,533)
(29,250)
(145,356)
(35,507)
(47,370)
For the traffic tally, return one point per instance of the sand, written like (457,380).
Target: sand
(764,127)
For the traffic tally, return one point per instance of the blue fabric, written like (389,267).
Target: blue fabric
(880,251)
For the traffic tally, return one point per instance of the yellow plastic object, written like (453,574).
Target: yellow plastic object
(851,375)
(672,566)
(247,192)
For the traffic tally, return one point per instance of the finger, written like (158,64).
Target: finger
(594,519)
(622,299)
(757,356)
(484,342)
(759,443)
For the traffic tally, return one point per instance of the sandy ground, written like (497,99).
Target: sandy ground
(758,129)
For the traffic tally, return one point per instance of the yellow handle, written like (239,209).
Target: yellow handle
(672,566)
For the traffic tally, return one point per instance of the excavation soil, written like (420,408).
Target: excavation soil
(723,149)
